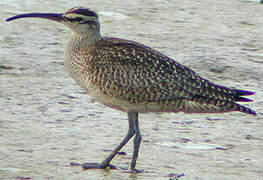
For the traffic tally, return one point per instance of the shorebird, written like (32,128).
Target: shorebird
(135,78)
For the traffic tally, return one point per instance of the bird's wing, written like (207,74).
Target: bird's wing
(136,72)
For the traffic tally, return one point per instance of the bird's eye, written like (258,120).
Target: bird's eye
(79,19)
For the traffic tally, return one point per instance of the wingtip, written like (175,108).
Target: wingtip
(243,92)
(242,99)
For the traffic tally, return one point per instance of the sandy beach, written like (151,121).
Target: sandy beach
(48,121)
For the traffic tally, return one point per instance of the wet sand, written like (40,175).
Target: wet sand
(47,121)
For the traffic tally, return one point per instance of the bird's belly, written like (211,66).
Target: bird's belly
(124,105)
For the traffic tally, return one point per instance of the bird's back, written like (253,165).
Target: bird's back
(130,76)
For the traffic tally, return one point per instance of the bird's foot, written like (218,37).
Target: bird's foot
(94,165)
(135,171)
(97,166)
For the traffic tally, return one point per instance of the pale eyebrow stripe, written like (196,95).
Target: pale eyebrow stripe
(73,16)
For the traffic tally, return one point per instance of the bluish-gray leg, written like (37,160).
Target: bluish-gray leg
(137,141)
(106,162)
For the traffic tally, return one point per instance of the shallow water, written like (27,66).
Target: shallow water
(47,121)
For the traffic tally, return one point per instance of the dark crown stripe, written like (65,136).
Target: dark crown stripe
(82,11)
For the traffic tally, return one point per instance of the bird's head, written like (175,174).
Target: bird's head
(78,19)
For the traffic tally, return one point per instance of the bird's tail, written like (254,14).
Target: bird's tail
(239,98)
(241,108)
(201,104)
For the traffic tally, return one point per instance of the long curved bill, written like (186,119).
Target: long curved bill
(50,16)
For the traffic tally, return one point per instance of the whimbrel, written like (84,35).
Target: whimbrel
(135,78)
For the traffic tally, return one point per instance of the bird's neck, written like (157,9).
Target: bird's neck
(79,41)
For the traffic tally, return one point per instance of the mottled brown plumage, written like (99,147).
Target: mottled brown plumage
(134,78)
(130,76)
